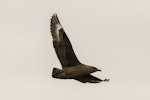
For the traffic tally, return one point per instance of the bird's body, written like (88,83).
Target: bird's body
(75,71)
(72,67)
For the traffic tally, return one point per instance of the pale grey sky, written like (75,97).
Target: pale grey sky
(113,35)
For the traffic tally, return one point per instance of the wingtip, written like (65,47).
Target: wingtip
(53,15)
(54,19)
(55,26)
(106,80)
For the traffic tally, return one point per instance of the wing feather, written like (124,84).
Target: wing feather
(88,78)
(62,44)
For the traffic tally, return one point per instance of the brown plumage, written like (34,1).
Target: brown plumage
(72,68)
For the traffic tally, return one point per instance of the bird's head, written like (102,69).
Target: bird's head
(56,72)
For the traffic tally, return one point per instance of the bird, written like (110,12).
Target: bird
(72,68)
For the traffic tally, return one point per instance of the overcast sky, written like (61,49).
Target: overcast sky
(113,35)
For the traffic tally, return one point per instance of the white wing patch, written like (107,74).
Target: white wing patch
(58,27)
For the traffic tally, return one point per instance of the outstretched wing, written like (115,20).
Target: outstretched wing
(62,44)
(88,78)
